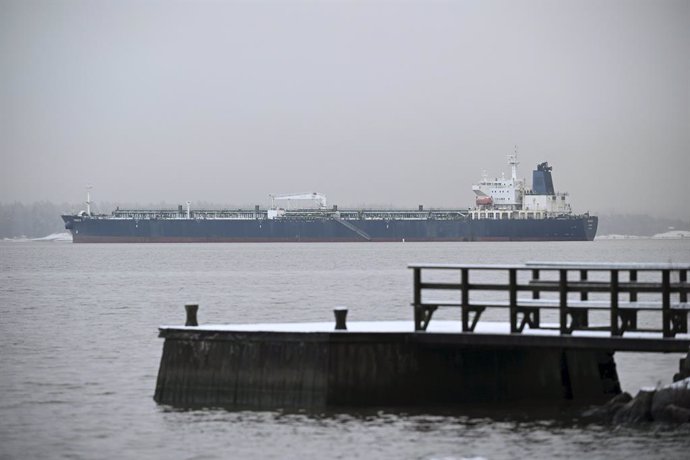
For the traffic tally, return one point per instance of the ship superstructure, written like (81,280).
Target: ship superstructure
(511,199)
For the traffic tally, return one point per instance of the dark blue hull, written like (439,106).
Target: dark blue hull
(103,230)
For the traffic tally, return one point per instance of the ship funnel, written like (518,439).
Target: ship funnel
(542,182)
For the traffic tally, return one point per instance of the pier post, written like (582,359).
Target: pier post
(615,330)
(465,299)
(683,278)
(666,302)
(633,279)
(191,310)
(340,318)
(563,301)
(584,295)
(417,298)
(512,293)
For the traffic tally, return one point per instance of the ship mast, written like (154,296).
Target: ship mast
(88,200)
(513,162)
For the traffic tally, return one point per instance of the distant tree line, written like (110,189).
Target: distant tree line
(42,218)
(33,220)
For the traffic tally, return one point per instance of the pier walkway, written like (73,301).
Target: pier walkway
(619,307)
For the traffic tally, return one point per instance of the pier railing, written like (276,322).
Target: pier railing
(573,293)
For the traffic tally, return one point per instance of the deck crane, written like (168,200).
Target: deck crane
(317,197)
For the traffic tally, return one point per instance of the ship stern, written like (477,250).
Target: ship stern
(591,223)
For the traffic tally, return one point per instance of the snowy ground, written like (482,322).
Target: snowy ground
(59,237)
(437,326)
(670,235)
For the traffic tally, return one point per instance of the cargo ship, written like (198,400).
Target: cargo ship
(505,210)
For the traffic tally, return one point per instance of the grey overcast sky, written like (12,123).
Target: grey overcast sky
(381,102)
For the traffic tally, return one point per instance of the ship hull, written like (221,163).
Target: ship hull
(95,230)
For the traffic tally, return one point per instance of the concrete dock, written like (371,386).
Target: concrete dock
(426,363)
(372,364)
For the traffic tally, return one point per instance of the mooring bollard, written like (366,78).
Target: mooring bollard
(340,318)
(191,310)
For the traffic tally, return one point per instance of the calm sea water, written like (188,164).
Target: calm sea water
(79,352)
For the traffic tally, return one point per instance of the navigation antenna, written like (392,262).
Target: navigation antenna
(88,199)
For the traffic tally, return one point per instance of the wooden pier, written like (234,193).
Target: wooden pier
(665,290)
(538,333)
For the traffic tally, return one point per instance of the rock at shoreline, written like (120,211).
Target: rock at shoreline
(639,409)
(670,404)
(673,414)
(609,410)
